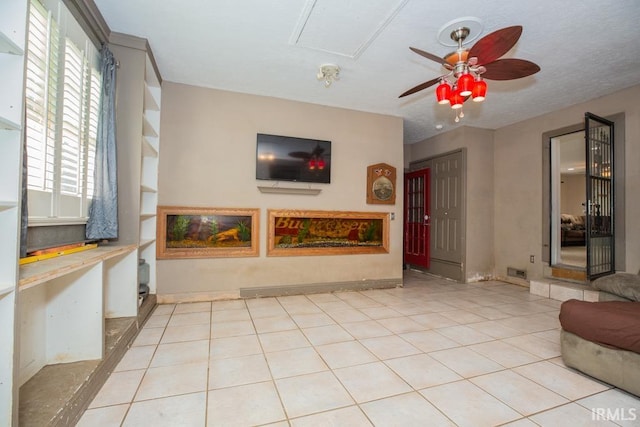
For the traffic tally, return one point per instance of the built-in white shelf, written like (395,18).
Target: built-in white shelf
(6,289)
(148,129)
(146,242)
(148,149)
(66,300)
(13,27)
(4,205)
(151,98)
(40,272)
(7,124)
(147,189)
(8,46)
(290,190)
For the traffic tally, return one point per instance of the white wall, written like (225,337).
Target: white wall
(207,159)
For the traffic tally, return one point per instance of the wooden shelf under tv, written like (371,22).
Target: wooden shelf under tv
(290,190)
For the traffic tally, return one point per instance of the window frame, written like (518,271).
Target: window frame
(68,125)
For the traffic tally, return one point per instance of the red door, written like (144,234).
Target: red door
(417,214)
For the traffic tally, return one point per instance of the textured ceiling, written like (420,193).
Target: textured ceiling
(585,49)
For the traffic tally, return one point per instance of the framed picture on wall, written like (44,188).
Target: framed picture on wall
(192,232)
(301,232)
(381,184)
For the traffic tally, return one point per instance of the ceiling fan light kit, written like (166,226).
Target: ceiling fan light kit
(465,84)
(443,92)
(467,67)
(479,90)
(456,100)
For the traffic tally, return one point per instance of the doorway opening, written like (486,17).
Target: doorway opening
(441,223)
(568,194)
(604,221)
(417,237)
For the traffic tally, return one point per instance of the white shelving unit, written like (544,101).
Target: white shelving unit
(6,124)
(13,17)
(7,45)
(64,301)
(139,96)
(149,170)
(12,46)
(61,303)
(58,306)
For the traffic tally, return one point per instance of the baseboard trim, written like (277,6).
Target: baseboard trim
(449,269)
(314,288)
(277,291)
(514,281)
(197,297)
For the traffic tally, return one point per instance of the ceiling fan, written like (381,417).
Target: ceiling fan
(468,67)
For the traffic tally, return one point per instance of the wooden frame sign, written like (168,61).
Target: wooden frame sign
(295,232)
(381,184)
(185,232)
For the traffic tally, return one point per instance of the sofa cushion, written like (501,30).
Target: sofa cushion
(572,222)
(625,285)
(612,323)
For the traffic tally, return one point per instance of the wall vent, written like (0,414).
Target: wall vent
(515,272)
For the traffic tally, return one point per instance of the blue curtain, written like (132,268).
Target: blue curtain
(24,211)
(103,211)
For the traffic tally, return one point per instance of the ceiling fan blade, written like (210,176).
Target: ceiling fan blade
(427,55)
(420,87)
(494,45)
(509,69)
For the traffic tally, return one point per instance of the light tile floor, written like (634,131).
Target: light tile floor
(431,353)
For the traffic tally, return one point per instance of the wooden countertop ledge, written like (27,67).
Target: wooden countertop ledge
(40,272)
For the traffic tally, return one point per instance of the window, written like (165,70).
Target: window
(62,101)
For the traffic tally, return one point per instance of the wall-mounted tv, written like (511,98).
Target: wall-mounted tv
(286,158)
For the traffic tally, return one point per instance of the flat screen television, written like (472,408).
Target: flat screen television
(286,158)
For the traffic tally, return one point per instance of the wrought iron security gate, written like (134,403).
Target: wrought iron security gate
(600,197)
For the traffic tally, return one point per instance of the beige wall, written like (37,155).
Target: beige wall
(504,185)
(129,95)
(478,144)
(207,158)
(518,181)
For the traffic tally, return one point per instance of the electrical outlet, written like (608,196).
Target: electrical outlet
(393,216)
(532,259)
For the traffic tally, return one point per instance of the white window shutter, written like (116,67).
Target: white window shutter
(62,102)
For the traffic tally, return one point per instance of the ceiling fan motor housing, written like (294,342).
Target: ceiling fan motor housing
(459,35)
(458,59)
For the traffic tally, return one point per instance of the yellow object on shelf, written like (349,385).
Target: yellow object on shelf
(34,258)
